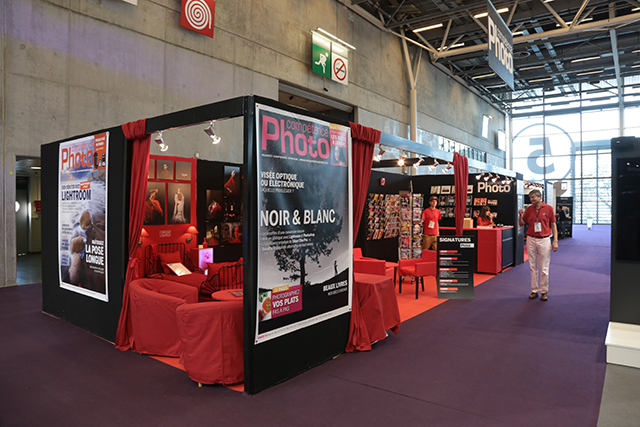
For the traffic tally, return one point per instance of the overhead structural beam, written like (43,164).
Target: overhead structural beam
(513,10)
(555,14)
(413,93)
(446,34)
(593,25)
(616,63)
(575,18)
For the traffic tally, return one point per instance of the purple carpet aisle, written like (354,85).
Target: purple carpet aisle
(499,360)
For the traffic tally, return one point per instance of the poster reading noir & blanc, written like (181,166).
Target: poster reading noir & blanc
(82,208)
(305,236)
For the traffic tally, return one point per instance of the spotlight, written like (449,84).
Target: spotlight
(434,165)
(402,159)
(480,175)
(160,142)
(417,164)
(495,178)
(378,156)
(215,139)
(487,176)
(448,168)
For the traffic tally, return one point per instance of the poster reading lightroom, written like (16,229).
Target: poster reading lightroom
(82,218)
(305,236)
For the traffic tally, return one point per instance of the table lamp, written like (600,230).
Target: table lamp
(143,233)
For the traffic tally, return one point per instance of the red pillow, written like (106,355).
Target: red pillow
(169,258)
(213,268)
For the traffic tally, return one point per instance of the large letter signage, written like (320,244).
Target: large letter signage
(500,46)
(304,222)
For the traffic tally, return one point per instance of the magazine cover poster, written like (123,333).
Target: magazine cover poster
(304,229)
(82,208)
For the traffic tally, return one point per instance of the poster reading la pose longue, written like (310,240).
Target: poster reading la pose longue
(82,208)
(305,236)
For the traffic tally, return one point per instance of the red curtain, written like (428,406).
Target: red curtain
(364,140)
(135,132)
(461,172)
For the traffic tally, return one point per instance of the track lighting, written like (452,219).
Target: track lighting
(215,139)
(434,165)
(163,147)
(487,176)
(480,175)
(402,159)
(495,178)
(448,168)
(378,156)
(417,164)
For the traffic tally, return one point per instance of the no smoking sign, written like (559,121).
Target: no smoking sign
(339,68)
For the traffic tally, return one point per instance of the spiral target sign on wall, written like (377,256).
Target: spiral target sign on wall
(197,15)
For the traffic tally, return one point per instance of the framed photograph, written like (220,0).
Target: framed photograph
(215,206)
(232,210)
(212,234)
(164,169)
(231,233)
(183,171)
(445,189)
(232,181)
(178,203)
(154,205)
(435,189)
(152,169)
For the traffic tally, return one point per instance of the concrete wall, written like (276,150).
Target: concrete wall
(74,66)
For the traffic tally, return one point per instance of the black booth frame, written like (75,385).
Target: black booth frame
(265,364)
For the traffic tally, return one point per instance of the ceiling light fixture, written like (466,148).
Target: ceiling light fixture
(590,72)
(482,15)
(487,176)
(434,165)
(430,27)
(517,33)
(533,67)
(540,80)
(448,168)
(479,176)
(483,76)
(417,164)
(163,147)
(636,51)
(635,66)
(585,59)
(215,139)
(328,34)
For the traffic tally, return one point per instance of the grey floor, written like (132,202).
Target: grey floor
(620,406)
(29,269)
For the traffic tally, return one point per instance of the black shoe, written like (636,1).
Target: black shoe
(544,297)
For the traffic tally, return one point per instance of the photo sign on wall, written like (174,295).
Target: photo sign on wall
(304,222)
(82,215)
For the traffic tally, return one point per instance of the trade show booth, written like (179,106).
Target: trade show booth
(135,231)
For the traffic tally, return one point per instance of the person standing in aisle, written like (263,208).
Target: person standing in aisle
(430,218)
(542,223)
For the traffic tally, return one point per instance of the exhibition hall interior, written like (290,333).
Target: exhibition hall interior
(239,210)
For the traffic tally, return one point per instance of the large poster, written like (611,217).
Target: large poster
(304,229)
(82,221)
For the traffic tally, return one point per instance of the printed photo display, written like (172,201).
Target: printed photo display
(304,229)
(178,203)
(82,216)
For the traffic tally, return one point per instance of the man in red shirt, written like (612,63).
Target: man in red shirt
(430,218)
(542,223)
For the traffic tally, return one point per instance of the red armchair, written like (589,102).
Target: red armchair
(153,314)
(362,265)
(418,268)
(212,341)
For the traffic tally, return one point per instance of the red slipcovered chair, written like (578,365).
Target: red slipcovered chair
(390,268)
(418,268)
(153,303)
(212,341)
(373,266)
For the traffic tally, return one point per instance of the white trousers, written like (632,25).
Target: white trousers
(539,251)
